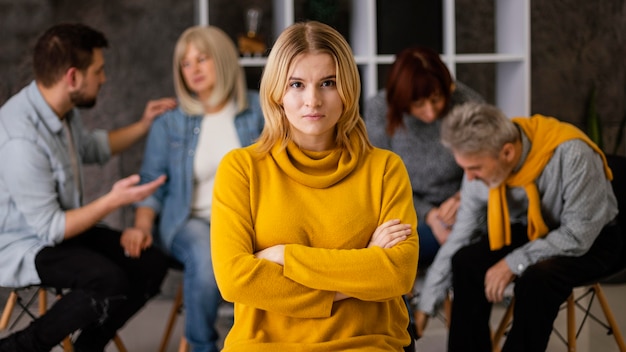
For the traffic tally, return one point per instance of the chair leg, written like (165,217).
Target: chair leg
(184,345)
(8,309)
(43,301)
(504,322)
(609,317)
(69,347)
(119,344)
(571,323)
(43,308)
(178,302)
(67,344)
(447,309)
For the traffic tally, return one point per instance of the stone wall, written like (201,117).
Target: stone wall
(141,34)
(576,44)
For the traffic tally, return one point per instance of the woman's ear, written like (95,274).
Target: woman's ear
(452,87)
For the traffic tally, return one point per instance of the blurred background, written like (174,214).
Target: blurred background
(575,46)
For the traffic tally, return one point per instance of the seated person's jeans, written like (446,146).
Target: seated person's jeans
(201,297)
(428,246)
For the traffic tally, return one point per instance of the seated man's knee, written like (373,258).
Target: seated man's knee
(108,282)
(462,259)
(534,281)
(153,267)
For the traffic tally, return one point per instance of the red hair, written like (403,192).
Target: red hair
(417,73)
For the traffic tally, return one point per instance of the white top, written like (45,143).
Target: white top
(218,136)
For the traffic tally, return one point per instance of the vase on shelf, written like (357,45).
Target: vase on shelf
(252,42)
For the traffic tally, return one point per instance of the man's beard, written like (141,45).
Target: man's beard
(500,175)
(81,101)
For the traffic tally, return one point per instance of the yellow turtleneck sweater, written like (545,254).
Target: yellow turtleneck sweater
(324,206)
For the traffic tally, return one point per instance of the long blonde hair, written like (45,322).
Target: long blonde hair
(301,38)
(230,82)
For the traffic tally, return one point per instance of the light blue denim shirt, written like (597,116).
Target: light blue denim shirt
(37,185)
(170,151)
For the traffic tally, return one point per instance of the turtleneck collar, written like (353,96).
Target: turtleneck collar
(315,169)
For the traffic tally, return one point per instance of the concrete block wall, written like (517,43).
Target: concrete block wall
(141,34)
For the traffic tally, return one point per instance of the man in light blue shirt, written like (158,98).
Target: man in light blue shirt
(47,236)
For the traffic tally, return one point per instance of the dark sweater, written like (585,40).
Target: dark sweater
(434,174)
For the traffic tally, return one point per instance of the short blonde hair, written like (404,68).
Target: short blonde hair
(310,37)
(230,82)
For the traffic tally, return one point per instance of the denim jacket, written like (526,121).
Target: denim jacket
(170,151)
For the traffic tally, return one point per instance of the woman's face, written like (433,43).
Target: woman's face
(311,101)
(428,109)
(198,72)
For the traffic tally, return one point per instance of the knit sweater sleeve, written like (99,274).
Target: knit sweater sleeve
(306,285)
(471,219)
(369,274)
(240,276)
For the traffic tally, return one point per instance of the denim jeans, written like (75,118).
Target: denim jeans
(428,245)
(201,297)
(106,288)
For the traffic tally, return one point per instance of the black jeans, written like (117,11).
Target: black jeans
(539,291)
(106,288)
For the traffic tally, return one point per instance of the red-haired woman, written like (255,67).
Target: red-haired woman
(405,118)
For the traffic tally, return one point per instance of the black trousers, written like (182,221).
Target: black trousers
(539,291)
(106,288)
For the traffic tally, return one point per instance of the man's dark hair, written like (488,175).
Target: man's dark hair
(63,46)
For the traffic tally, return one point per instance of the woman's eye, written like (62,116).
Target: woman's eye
(295,84)
(419,103)
(328,83)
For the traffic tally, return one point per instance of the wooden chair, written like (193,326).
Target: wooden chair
(41,293)
(177,308)
(594,289)
(443,314)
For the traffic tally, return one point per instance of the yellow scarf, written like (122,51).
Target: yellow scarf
(545,134)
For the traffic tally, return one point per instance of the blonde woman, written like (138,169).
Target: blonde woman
(314,230)
(216,114)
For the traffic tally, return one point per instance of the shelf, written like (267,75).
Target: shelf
(252,61)
(511,42)
(486,58)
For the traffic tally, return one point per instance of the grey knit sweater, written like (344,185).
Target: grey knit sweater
(434,174)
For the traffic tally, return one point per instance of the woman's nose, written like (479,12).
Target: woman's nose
(429,112)
(312,97)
